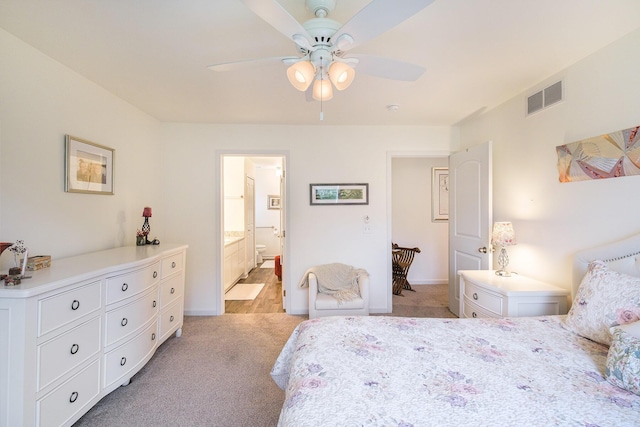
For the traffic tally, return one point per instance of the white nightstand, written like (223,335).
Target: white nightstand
(484,294)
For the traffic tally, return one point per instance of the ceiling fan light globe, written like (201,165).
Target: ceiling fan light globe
(341,75)
(301,75)
(322,90)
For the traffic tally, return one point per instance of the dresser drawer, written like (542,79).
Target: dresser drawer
(171,290)
(170,320)
(482,298)
(128,319)
(171,265)
(62,404)
(63,353)
(127,285)
(67,307)
(122,362)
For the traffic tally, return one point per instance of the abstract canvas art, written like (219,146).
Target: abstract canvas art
(606,156)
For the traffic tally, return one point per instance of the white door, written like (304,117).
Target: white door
(250,218)
(470,215)
(283,231)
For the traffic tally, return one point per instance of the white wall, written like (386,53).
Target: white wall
(411,218)
(552,220)
(315,234)
(40,102)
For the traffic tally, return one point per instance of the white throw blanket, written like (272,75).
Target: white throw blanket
(337,280)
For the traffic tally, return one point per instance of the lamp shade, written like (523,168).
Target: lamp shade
(146,212)
(503,234)
(301,75)
(341,75)
(322,90)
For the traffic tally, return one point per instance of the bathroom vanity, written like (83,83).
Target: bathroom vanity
(234,263)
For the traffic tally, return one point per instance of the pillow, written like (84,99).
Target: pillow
(623,360)
(604,299)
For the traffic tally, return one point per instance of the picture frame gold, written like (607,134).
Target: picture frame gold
(88,167)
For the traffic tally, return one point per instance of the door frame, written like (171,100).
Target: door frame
(390,156)
(218,206)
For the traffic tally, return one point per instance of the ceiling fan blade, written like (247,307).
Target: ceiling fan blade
(378,17)
(251,63)
(277,16)
(387,68)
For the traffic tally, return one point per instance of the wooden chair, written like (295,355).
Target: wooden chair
(401,259)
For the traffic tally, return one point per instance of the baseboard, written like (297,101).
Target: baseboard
(429,282)
(200,313)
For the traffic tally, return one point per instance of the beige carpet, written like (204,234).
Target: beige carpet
(217,372)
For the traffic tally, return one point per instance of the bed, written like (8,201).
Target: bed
(537,371)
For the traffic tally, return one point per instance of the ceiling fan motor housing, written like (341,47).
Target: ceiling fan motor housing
(321,30)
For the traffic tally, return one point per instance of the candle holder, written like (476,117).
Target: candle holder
(146,228)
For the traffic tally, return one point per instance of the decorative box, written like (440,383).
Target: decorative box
(38,262)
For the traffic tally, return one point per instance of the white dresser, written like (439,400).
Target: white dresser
(79,329)
(484,294)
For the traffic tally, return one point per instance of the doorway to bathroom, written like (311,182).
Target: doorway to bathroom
(253,218)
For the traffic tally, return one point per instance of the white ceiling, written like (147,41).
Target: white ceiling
(155,53)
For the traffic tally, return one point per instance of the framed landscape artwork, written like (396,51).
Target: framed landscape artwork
(339,194)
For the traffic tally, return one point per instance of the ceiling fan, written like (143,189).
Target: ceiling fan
(323,44)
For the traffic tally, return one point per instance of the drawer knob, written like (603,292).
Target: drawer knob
(173,290)
(125,287)
(153,336)
(75,305)
(124,321)
(173,264)
(171,319)
(74,397)
(475,296)
(75,348)
(474,314)
(155,274)
(154,304)
(123,361)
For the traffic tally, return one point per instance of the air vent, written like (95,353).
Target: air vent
(545,98)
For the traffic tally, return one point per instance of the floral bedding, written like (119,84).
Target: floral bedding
(393,371)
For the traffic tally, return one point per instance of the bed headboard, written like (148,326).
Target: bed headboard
(622,256)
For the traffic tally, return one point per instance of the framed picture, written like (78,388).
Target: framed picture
(89,167)
(273,202)
(339,194)
(440,194)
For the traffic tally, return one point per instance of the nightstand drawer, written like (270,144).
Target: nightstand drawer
(485,300)
(472,310)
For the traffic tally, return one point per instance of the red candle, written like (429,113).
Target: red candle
(146,212)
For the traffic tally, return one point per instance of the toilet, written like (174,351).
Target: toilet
(259,251)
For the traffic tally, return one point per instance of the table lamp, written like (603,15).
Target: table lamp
(502,236)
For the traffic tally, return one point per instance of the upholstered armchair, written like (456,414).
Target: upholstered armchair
(322,304)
